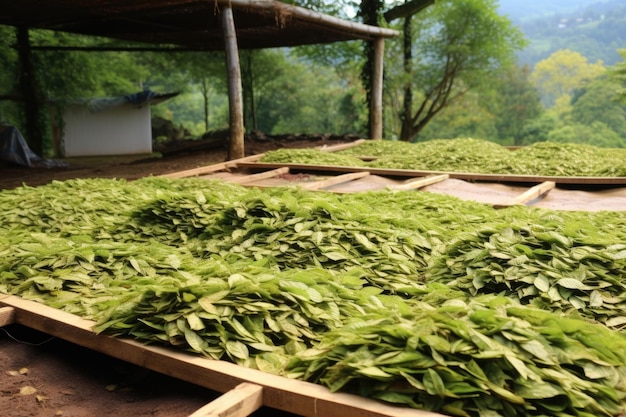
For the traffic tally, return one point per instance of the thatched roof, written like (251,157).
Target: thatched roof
(194,24)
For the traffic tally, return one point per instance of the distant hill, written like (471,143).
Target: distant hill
(523,10)
(593,28)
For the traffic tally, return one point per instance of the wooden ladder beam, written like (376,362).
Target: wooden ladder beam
(420,182)
(529,195)
(260,176)
(241,401)
(318,185)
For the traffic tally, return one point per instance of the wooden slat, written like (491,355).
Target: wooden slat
(298,397)
(7,316)
(212,168)
(341,146)
(529,195)
(241,401)
(318,185)
(420,183)
(260,176)
(458,175)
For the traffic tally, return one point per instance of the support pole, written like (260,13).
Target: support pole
(30,93)
(235,95)
(376,111)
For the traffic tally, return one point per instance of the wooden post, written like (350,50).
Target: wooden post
(376,111)
(235,95)
(30,94)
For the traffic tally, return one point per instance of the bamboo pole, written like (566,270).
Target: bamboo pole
(364,31)
(235,94)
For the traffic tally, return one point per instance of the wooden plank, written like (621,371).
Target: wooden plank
(341,146)
(298,397)
(212,168)
(420,183)
(318,185)
(458,175)
(7,316)
(260,176)
(529,195)
(241,401)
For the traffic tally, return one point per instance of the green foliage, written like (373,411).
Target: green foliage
(470,155)
(618,75)
(516,104)
(561,73)
(415,299)
(460,46)
(593,30)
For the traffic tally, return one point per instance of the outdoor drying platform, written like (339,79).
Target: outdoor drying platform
(498,190)
(246,390)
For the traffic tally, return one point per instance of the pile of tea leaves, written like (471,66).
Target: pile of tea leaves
(470,156)
(411,298)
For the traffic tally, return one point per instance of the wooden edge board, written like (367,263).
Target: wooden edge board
(294,396)
(419,183)
(317,185)
(391,172)
(260,176)
(212,168)
(529,195)
(241,401)
(7,316)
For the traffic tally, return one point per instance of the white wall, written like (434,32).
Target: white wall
(120,130)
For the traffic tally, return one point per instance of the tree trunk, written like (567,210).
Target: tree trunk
(370,12)
(235,100)
(407,132)
(205,96)
(249,102)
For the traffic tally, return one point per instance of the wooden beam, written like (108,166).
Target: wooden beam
(420,183)
(7,316)
(392,172)
(300,13)
(529,195)
(298,397)
(318,185)
(341,146)
(235,89)
(241,401)
(212,168)
(260,176)
(376,111)
(408,8)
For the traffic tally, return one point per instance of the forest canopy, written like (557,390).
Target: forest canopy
(452,73)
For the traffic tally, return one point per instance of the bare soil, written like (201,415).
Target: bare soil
(173,157)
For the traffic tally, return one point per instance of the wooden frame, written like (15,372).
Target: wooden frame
(294,396)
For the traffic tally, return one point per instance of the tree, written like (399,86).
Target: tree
(557,76)
(596,102)
(618,75)
(596,133)
(516,103)
(459,46)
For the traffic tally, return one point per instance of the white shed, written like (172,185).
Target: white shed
(110,126)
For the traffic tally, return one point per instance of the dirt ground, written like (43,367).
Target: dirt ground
(172,158)
(42,376)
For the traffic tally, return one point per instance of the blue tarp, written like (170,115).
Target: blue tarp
(15,150)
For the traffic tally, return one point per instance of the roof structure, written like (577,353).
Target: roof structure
(193,24)
(205,25)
